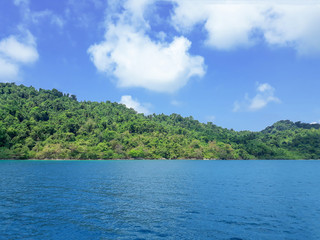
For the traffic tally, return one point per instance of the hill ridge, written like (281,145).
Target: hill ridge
(48,124)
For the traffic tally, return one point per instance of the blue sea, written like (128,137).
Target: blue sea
(160,199)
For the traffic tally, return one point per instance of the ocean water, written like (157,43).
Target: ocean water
(180,199)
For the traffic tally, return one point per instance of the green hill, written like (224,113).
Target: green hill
(47,124)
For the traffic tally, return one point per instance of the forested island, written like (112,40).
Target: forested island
(47,124)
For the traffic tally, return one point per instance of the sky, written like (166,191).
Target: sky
(242,65)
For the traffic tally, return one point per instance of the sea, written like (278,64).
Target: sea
(160,199)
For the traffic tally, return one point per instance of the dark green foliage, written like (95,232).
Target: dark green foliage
(47,124)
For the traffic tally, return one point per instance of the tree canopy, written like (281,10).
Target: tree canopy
(48,124)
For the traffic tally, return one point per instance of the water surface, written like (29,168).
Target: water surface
(160,200)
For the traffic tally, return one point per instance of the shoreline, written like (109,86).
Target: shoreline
(159,159)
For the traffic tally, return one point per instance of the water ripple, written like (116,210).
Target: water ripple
(159,200)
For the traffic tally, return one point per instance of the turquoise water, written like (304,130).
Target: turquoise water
(160,200)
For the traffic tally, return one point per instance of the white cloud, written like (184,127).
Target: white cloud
(228,25)
(296,26)
(18,50)
(131,103)
(136,8)
(24,52)
(8,70)
(235,24)
(135,60)
(36,17)
(264,87)
(15,52)
(264,96)
(83,13)
(21,2)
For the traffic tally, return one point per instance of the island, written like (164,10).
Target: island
(49,124)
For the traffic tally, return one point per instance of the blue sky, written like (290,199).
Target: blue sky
(239,64)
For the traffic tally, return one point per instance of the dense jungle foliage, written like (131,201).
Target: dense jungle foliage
(47,124)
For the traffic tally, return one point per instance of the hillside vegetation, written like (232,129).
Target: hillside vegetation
(47,124)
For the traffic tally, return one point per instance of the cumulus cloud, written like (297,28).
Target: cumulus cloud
(135,104)
(19,50)
(133,58)
(136,61)
(264,96)
(23,52)
(130,55)
(16,51)
(237,24)
(296,26)
(228,25)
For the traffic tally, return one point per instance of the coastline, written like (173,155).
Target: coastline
(139,159)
